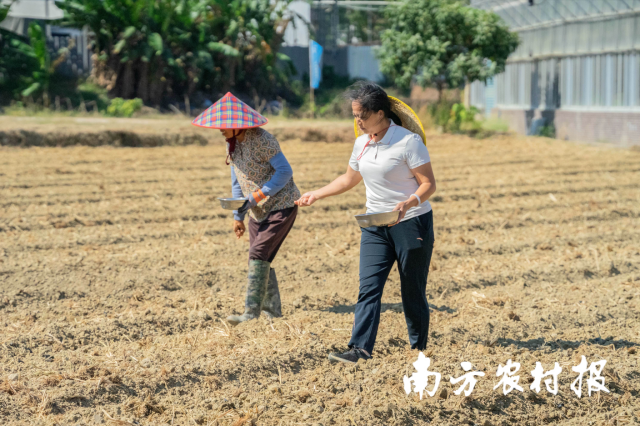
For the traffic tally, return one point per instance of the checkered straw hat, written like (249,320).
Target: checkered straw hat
(230,113)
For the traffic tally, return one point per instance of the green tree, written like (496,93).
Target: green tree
(4,11)
(41,75)
(162,49)
(443,43)
(364,25)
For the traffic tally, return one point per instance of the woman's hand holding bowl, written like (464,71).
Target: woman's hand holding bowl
(404,207)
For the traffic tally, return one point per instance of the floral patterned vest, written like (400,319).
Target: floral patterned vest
(251,165)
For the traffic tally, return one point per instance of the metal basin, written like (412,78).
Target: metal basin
(231,203)
(377,219)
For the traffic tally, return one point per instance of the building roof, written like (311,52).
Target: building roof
(35,9)
(523,15)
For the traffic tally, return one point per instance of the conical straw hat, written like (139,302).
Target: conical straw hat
(410,120)
(230,113)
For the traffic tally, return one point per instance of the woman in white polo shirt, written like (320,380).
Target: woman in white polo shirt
(392,159)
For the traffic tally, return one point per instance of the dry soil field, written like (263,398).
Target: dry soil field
(117,269)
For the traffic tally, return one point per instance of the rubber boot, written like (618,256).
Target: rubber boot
(272,307)
(256,289)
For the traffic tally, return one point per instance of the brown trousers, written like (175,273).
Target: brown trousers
(266,237)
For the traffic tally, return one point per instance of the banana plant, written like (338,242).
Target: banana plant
(159,49)
(42,74)
(4,11)
(18,60)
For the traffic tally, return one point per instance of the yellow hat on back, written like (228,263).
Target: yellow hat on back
(409,118)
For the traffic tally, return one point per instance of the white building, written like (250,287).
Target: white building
(577,67)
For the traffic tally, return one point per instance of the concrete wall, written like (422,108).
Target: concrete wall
(300,58)
(352,61)
(363,63)
(518,119)
(620,128)
(617,127)
(337,58)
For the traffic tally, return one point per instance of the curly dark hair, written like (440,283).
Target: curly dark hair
(372,98)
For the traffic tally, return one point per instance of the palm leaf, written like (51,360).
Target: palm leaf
(225,49)
(119,46)
(31,90)
(4,11)
(155,41)
(128,32)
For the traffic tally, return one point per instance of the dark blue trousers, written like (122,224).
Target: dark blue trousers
(410,243)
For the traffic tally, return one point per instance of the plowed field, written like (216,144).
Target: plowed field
(118,267)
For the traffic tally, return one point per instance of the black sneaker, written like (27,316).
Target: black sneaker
(350,357)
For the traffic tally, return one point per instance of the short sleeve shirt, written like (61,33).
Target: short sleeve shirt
(250,162)
(386,169)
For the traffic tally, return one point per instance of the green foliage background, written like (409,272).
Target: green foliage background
(18,60)
(162,50)
(443,43)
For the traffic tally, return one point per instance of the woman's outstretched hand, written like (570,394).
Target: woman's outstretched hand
(307,199)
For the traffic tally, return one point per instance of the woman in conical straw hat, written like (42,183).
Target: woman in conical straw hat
(260,173)
(391,157)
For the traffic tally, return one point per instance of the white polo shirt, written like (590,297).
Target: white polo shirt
(386,169)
